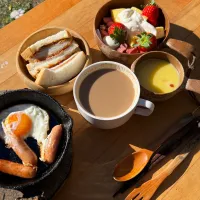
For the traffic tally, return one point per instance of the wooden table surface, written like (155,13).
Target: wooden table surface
(97,151)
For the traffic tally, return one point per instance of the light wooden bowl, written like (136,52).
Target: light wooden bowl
(185,82)
(105,11)
(156,97)
(21,64)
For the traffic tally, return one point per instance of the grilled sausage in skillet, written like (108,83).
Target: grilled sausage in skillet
(51,146)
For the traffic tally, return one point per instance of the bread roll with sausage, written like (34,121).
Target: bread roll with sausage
(63,72)
(30,51)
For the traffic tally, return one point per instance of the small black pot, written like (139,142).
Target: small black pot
(57,116)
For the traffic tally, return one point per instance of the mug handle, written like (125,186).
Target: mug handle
(144,107)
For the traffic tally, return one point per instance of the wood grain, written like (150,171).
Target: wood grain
(97,151)
(16,31)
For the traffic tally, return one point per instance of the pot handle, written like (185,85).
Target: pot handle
(187,50)
(193,85)
(181,47)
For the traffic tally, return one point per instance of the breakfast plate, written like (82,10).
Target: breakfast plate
(15,100)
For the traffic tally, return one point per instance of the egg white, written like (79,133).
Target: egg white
(38,116)
(40,123)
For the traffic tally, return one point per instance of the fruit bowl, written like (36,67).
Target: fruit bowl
(104,11)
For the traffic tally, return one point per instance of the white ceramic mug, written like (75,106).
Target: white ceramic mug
(139,106)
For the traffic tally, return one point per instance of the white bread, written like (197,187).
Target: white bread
(35,67)
(63,72)
(51,50)
(31,50)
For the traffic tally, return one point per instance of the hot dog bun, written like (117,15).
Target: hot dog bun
(20,147)
(49,149)
(62,72)
(17,169)
(30,51)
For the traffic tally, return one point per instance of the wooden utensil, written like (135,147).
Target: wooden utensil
(147,190)
(133,164)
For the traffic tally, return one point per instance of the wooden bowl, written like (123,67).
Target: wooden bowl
(169,58)
(184,81)
(105,11)
(41,34)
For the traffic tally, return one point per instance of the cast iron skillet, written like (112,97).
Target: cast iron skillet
(57,116)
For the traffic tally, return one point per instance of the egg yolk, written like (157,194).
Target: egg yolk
(20,123)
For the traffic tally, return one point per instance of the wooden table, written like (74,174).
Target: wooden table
(97,151)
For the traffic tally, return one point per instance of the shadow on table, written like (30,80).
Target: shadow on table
(91,176)
(178,172)
(174,177)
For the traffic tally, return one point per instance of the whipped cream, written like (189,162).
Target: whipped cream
(110,42)
(135,23)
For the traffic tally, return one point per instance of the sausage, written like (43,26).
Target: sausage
(24,152)
(51,146)
(17,169)
(20,147)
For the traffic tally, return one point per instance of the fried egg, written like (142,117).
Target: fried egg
(31,121)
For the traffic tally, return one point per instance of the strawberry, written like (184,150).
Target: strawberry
(146,42)
(152,12)
(117,31)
